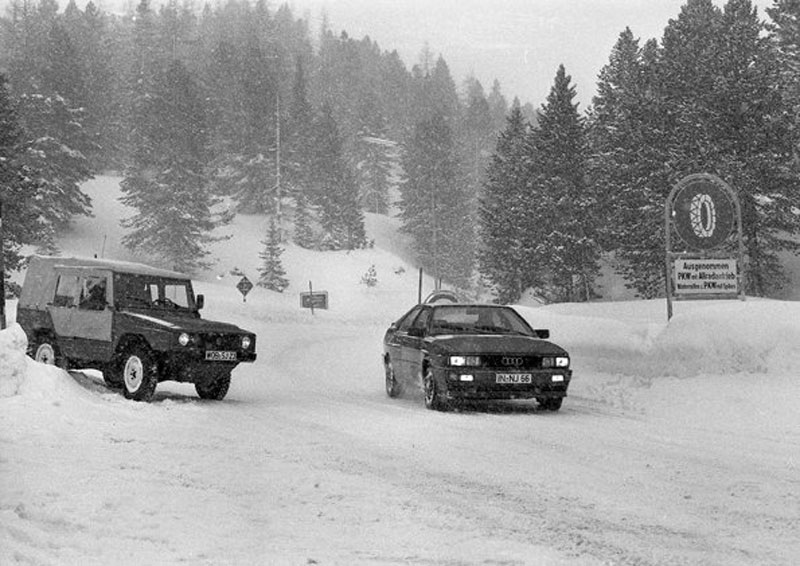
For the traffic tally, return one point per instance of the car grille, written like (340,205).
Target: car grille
(512,362)
(221,341)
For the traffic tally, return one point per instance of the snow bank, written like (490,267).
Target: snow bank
(13,364)
(703,337)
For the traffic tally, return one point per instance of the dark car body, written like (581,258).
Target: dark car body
(473,352)
(138,324)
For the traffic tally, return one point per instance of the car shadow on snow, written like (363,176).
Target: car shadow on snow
(92,380)
(495,407)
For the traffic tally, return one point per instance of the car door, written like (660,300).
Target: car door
(82,316)
(395,342)
(413,344)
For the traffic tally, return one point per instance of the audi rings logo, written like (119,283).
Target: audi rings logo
(703,215)
(508,361)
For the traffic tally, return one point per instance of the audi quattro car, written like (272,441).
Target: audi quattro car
(138,324)
(473,352)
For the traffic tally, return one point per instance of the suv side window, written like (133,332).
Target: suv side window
(93,293)
(67,291)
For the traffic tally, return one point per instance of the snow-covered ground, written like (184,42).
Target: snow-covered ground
(679,443)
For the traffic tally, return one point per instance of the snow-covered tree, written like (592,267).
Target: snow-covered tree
(166,184)
(272,274)
(503,260)
(563,232)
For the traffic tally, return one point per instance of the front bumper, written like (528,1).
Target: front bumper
(544,384)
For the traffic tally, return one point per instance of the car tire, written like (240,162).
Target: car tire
(112,377)
(553,404)
(216,389)
(138,373)
(393,388)
(45,350)
(433,397)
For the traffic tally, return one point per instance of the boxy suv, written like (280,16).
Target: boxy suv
(137,324)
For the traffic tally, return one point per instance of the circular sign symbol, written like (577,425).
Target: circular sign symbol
(703,212)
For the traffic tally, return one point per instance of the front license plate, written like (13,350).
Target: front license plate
(513,378)
(220,356)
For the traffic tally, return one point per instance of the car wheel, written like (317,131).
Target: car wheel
(112,378)
(45,351)
(139,373)
(433,397)
(393,388)
(551,404)
(216,389)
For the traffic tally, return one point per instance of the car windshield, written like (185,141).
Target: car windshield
(138,291)
(459,319)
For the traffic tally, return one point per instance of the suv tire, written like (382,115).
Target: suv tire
(216,389)
(137,370)
(45,350)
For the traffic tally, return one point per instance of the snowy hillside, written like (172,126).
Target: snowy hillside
(679,443)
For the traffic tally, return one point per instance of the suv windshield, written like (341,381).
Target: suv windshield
(139,291)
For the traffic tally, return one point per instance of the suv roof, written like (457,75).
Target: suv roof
(114,265)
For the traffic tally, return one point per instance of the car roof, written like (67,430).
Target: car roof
(116,266)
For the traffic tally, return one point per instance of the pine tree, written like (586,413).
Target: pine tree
(334,189)
(273,275)
(502,258)
(563,235)
(26,215)
(166,184)
(626,168)
(436,208)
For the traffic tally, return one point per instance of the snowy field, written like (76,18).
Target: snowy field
(678,444)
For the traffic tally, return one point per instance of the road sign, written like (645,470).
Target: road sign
(703,212)
(245,286)
(314,300)
(706,276)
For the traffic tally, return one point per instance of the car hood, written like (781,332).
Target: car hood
(184,323)
(494,343)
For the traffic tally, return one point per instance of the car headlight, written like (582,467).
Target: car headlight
(245,342)
(557,362)
(464,361)
(184,339)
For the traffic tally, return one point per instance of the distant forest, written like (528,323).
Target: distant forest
(239,108)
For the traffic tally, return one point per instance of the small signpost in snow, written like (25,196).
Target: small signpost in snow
(312,299)
(245,286)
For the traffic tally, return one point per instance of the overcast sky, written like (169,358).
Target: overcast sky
(519,42)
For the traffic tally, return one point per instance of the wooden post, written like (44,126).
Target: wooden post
(311,297)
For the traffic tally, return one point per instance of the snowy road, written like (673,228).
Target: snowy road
(308,462)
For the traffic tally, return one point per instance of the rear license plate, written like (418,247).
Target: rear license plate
(220,356)
(513,378)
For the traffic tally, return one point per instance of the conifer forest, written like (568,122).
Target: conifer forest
(238,107)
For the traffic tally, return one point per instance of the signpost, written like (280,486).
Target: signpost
(314,300)
(2,275)
(703,211)
(245,286)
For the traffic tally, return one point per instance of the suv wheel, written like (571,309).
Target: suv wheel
(139,373)
(45,351)
(216,389)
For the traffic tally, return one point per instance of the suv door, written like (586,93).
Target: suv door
(81,314)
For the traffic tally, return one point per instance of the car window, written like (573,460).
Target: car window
(421,321)
(477,319)
(177,294)
(93,293)
(67,290)
(405,323)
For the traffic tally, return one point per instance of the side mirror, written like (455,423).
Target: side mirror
(200,301)
(416,332)
(542,333)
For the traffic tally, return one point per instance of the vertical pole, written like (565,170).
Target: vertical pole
(311,297)
(667,252)
(278,161)
(419,287)
(2,274)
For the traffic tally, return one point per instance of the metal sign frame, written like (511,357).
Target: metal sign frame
(701,254)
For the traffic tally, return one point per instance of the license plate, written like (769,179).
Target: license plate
(513,378)
(220,356)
